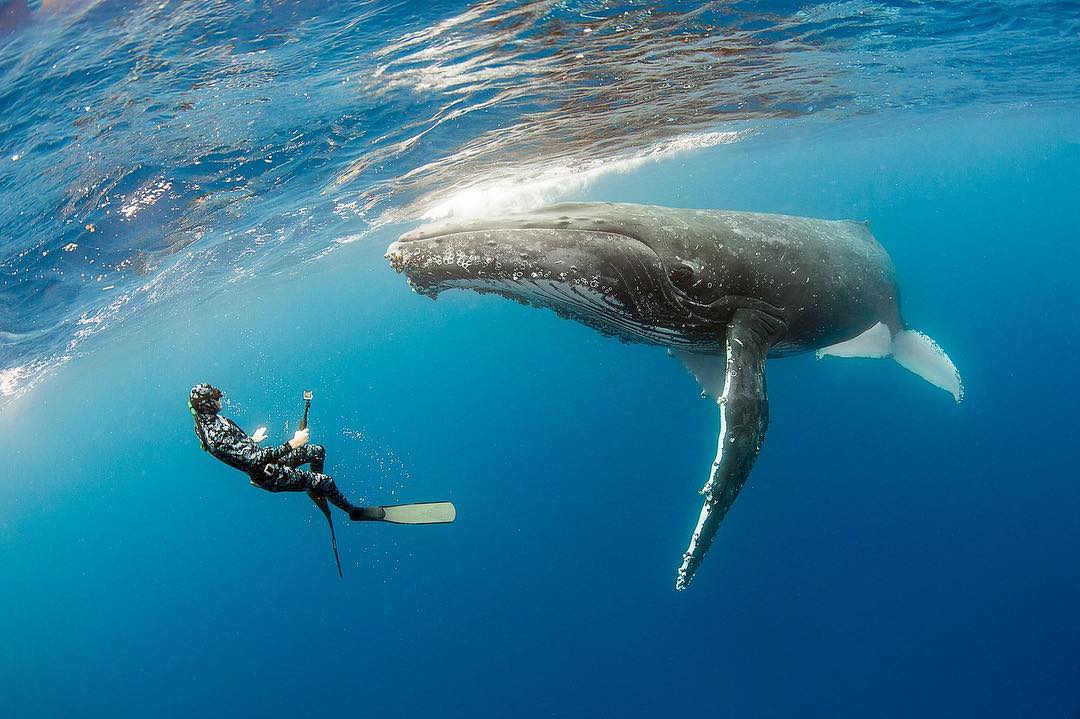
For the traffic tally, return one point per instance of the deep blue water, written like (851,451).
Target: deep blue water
(893,554)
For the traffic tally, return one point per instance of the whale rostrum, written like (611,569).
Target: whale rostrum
(723,291)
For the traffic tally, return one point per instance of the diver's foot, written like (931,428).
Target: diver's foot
(368,514)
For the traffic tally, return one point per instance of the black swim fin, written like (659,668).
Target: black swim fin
(321,503)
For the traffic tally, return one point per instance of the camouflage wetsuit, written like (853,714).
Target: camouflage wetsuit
(274,469)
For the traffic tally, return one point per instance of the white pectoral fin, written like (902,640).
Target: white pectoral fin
(912,350)
(875,342)
(708,370)
(918,353)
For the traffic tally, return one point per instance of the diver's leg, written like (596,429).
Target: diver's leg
(283,479)
(318,457)
(313,454)
(291,479)
(323,485)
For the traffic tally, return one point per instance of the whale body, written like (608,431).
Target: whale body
(721,290)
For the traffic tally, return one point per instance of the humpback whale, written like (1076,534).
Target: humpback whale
(721,290)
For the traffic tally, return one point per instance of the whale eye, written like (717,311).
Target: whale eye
(683,278)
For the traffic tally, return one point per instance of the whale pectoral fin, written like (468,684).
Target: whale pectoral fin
(917,353)
(744,416)
(912,350)
(708,370)
(875,342)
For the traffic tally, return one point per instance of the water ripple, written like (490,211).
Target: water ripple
(154,149)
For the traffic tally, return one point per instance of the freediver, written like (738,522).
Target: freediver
(276,469)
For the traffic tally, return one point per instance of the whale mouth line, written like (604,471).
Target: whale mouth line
(609,280)
(476,260)
(396,254)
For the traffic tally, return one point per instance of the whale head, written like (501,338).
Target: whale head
(607,272)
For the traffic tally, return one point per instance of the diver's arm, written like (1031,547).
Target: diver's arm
(229,443)
(273,454)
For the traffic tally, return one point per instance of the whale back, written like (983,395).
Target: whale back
(667,276)
(827,280)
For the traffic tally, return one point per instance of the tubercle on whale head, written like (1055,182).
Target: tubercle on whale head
(395,256)
(398,260)
(491,256)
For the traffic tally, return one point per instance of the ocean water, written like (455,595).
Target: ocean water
(203,191)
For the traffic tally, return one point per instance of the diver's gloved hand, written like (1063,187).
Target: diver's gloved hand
(259,436)
(299,439)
